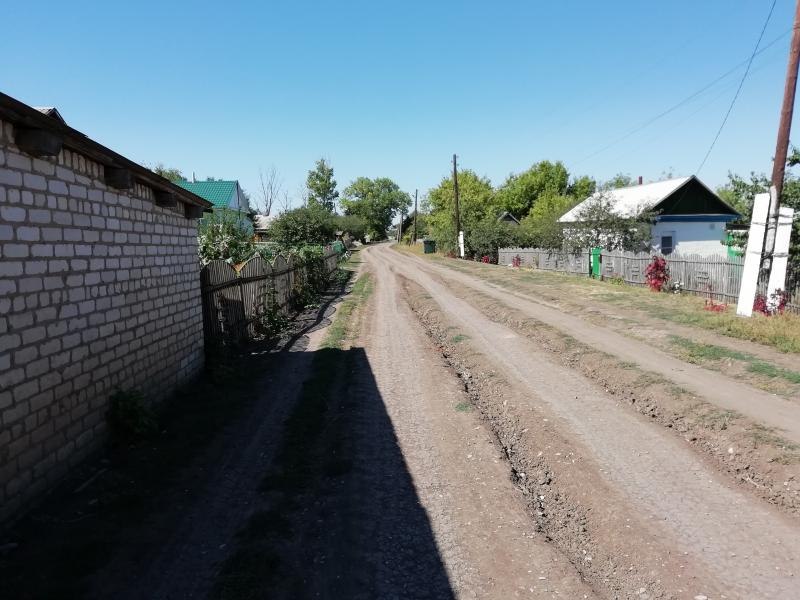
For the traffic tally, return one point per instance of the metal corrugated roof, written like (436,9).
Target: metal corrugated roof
(630,201)
(219,193)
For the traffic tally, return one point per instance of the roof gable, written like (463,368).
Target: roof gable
(684,195)
(219,193)
(694,198)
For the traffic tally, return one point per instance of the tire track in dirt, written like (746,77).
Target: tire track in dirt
(484,534)
(749,548)
(714,387)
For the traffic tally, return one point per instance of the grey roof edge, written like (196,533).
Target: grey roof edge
(20,114)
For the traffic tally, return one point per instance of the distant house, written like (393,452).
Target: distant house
(507,217)
(261,225)
(690,218)
(224,195)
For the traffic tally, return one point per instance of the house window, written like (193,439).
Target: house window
(667,244)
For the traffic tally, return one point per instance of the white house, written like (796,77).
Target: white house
(690,218)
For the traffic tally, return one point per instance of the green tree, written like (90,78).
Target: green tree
(376,201)
(519,192)
(170,173)
(740,193)
(541,227)
(305,226)
(476,201)
(620,180)
(599,225)
(486,237)
(321,186)
(351,224)
(581,188)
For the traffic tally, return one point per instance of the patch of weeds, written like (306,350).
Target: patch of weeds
(629,366)
(129,417)
(696,351)
(762,434)
(463,407)
(459,338)
(769,370)
(677,391)
(337,332)
(717,419)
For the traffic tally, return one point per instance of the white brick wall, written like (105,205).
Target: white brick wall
(99,290)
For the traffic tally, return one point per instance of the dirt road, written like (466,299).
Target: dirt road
(722,391)
(487,541)
(686,531)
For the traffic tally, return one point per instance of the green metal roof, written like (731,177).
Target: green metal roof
(219,193)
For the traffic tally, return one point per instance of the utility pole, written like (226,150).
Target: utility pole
(782,145)
(400,227)
(455,190)
(414,238)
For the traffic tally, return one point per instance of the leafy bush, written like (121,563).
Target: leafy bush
(305,226)
(223,235)
(129,418)
(488,236)
(657,274)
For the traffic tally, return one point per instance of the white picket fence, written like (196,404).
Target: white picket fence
(716,277)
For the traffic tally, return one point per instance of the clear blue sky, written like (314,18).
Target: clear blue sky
(394,89)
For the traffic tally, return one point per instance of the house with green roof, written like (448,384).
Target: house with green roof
(226,196)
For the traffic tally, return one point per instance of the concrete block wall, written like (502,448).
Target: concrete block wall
(99,290)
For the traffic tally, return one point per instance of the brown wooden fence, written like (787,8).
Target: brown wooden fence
(237,302)
(716,277)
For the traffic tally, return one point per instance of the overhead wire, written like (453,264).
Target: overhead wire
(687,99)
(739,89)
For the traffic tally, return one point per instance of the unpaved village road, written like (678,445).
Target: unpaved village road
(663,523)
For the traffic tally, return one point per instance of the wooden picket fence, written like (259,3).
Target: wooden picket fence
(236,301)
(715,277)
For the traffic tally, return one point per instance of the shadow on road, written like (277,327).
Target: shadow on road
(339,516)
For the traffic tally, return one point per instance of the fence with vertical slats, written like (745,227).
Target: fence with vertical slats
(236,302)
(715,277)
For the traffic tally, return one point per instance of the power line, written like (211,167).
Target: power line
(677,105)
(739,89)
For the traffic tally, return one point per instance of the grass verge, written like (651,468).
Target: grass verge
(697,353)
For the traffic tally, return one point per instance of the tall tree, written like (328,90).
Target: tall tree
(541,228)
(581,188)
(476,203)
(520,191)
(376,201)
(321,186)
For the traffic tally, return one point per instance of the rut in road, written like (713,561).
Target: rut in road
(484,535)
(714,387)
(748,548)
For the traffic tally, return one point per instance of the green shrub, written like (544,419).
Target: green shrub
(223,235)
(302,227)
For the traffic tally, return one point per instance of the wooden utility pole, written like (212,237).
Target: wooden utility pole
(455,190)
(414,238)
(400,227)
(782,145)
